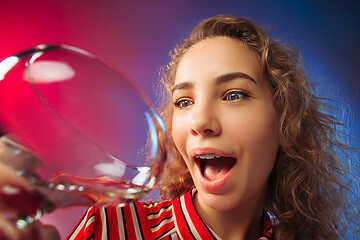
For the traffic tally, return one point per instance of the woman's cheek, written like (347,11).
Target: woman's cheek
(179,131)
(175,130)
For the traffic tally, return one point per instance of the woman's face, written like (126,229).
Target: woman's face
(224,125)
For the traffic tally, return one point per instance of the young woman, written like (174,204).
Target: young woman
(256,156)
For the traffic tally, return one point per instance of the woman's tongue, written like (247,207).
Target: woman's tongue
(213,169)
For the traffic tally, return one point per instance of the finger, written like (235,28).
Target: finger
(35,231)
(16,156)
(8,230)
(38,231)
(17,199)
(8,175)
(47,232)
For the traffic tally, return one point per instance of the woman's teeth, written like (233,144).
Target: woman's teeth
(207,156)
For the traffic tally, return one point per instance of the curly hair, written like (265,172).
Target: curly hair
(307,190)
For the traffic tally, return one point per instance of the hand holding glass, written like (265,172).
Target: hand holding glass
(79,132)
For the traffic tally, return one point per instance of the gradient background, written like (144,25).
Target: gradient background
(135,37)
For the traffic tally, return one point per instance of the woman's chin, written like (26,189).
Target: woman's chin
(215,202)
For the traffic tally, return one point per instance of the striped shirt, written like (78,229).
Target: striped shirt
(173,219)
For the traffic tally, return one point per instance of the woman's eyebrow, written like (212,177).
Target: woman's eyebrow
(219,80)
(182,85)
(230,76)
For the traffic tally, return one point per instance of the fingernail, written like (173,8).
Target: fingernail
(34,234)
(19,199)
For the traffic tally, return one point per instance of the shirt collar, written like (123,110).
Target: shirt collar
(190,226)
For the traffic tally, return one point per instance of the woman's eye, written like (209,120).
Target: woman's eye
(235,95)
(183,103)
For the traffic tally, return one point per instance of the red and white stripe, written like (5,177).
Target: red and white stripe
(173,219)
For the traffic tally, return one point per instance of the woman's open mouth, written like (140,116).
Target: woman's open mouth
(214,169)
(214,166)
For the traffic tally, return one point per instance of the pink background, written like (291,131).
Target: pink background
(134,37)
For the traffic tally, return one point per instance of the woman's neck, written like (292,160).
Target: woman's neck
(244,222)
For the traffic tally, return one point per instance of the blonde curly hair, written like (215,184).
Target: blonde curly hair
(307,187)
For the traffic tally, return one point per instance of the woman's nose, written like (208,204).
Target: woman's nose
(204,121)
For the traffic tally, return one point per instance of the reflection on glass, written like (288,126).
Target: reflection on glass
(76,130)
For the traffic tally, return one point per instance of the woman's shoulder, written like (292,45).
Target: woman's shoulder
(134,220)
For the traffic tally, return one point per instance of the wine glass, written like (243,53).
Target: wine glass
(77,131)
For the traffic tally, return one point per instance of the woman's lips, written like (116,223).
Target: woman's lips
(214,185)
(213,174)
(203,151)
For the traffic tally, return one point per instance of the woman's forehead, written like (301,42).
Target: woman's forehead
(217,56)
